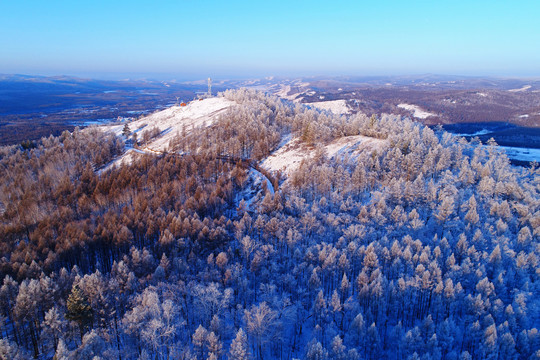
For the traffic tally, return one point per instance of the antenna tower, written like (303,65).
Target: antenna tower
(209,87)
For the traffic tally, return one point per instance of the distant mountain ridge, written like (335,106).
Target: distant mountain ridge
(36,106)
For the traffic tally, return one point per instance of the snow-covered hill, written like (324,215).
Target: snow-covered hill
(171,122)
(391,240)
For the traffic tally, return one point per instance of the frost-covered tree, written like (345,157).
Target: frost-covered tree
(262,323)
(155,322)
(239,349)
(429,238)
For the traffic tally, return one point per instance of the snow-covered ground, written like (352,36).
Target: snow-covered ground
(170,122)
(289,156)
(338,107)
(524,88)
(352,144)
(417,111)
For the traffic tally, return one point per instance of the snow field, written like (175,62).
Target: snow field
(524,88)
(338,107)
(417,111)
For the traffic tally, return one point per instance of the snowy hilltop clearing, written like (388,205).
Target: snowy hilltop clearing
(338,107)
(416,111)
(170,123)
(164,126)
(293,152)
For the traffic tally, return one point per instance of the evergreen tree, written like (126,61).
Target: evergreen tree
(79,310)
(126,131)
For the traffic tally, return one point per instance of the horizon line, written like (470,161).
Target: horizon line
(160,76)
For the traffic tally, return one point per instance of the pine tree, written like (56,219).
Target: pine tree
(79,310)
(126,131)
(373,341)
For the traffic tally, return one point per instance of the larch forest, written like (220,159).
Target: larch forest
(423,248)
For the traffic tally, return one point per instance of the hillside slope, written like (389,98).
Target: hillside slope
(157,130)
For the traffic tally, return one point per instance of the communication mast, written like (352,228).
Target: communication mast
(209,87)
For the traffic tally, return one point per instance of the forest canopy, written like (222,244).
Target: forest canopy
(425,248)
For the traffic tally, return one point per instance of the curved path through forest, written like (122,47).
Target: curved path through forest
(244,162)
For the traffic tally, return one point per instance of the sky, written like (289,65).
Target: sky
(224,39)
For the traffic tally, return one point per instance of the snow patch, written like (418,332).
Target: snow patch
(523,116)
(288,157)
(524,88)
(338,107)
(477,133)
(352,144)
(417,111)
(285,93)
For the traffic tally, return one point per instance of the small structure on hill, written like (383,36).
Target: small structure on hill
(205,95)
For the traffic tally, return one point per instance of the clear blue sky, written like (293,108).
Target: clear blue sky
(258,38)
